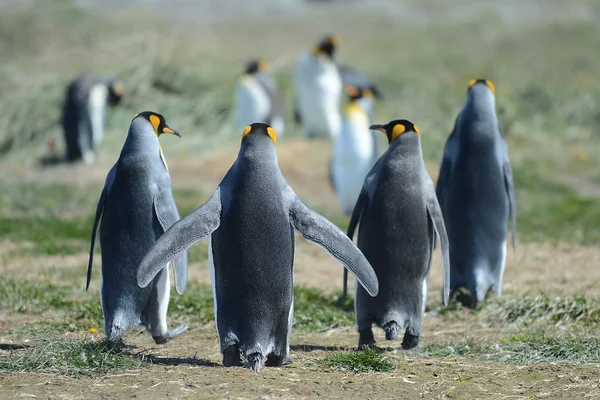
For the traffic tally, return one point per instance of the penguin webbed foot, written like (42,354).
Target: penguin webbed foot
(255,361)
(231,357)
(172,334)
(366,339)
(409,341)
(275,360)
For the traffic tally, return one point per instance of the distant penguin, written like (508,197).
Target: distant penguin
(137,207)
(354,150)
(251,220)
(352,77)
(476,192)
(257,98)
(319,90)
(84,112)
(399,216)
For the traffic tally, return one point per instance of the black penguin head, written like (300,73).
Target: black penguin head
(395,128)
(486,82)
(256,65)
(157,121)
(327,45)
(355,93)
(116,89)
(258,128)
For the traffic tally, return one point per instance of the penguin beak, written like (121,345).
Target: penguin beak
(166,129)
(378,128)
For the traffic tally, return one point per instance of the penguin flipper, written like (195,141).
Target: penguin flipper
(167,215)
(99,208)
(510,190)
(318,229)
(360,205)
(196,225)
(435,213)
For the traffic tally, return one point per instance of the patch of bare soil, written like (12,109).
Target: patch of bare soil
(191,365)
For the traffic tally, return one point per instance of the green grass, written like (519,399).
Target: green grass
(66,356)
(554,310)
(531,346)
(24,297)
(542,347)
(368,360)
(316,312)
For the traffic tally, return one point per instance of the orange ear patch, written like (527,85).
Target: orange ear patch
(416,129)
(155,121)
(246,131)
(490,85)
(272,134)
(398,130)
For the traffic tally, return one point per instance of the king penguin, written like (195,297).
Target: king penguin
(250,221)
(354,150)
(84,112)
(399,216)
(476,192)
(319,90)
(257,98)
(137,207)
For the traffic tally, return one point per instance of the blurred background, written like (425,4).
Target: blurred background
(183,58)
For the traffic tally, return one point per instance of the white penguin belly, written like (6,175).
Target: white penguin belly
(252,103)
(96,110)
(319,88)
(352,161)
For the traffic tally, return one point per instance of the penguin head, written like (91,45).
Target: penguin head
(116,89)
(327,46)
(356,93)
(156,121)
(395,128)
(479,82)
(259,129)
(256,65)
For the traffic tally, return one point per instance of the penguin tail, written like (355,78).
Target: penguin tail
(255,361)
(391,329)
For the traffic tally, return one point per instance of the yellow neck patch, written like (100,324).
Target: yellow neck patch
(353,108)
(155,121)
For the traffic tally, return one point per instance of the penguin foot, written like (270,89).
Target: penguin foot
(255,362)
(231,357)
(391,330)
(409,341)
(172,334)
(274,360)
(463,296)
(365,339)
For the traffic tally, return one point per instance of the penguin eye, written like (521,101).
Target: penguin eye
(398,130)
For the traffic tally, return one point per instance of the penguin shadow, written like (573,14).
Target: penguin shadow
(176,361)
(11,346)
(307,348)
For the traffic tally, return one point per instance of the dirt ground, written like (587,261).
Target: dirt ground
(190,366)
